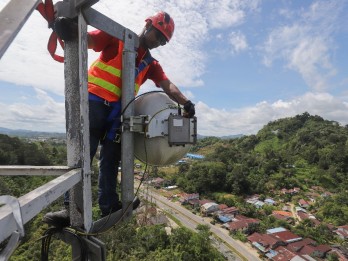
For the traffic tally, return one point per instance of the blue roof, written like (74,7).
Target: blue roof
(224,219)
(194,156)
(275,230)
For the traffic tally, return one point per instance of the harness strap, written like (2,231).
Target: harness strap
(47,11)
(144,63)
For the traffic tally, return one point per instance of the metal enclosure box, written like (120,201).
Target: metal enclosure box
(181,130)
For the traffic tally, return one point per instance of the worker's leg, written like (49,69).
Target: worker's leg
(98,114)
(109,162)
(109,155)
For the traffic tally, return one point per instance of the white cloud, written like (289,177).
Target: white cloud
(27,61)
(46,115)
(49,115)
(238,42)
(305,44)
(249,120)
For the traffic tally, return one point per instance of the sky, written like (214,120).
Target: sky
(243,63)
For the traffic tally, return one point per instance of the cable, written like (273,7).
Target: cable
(146,93)
(46,241)
(135,98)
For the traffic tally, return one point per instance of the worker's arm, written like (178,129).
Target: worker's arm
(176,95)
(173,92)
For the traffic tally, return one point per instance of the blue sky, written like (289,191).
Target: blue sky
(243,63)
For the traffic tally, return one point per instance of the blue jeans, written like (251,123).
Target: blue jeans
(102,130)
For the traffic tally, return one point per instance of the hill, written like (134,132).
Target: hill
(31,134)
(304,151)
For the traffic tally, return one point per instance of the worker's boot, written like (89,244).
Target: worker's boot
(136,203)
(59,218)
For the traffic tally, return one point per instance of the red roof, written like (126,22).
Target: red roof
(281,217)
(240,224)
(266,240)
(345,227)
(287,236)
(241,217)
(323,248)
(204,201)
(230,210)
(303,202)
(283,254)
(302,215)
(309,250)
(296,246)
(283,213)
(223,206)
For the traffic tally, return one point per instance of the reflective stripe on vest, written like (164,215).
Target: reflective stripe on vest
(105,78)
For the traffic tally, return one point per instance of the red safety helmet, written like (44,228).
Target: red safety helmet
(164,23)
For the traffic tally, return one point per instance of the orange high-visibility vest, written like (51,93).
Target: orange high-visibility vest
(105,78)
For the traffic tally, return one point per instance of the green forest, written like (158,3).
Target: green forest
(304,151)
(126,242)
(301,151)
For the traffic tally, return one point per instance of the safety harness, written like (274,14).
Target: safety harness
(114,120)
(47,11)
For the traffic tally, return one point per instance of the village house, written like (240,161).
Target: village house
(303,203)
(264,242)
(241,224)
(226,214)
(315,251)
(231,211)
(284,235)
(157,182)
(292,191)
(281,253)
(209,208)
(340,252)
(204,201)
(287,236)
(185,198)
(298,245)
(270,201)
(342,232)
(283,215)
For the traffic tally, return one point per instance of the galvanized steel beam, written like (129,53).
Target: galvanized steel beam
(127,138)
(12,18)
(33,170)
(104,23)
(32,203)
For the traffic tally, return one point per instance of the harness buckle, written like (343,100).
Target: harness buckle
(117,137)
(107,103)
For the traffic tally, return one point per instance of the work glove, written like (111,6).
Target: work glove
(65,28)
(189,108)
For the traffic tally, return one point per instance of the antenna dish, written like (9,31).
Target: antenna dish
(152,147)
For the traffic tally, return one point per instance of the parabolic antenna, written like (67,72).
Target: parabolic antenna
(154,146)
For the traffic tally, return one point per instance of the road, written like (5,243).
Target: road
(190,220)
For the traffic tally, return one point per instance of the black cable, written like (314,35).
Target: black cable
(46,241)
(135,98)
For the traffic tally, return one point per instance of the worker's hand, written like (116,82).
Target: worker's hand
(65,28)
(189,108)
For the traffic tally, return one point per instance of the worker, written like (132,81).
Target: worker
(105,88)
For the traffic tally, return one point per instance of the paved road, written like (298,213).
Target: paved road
(191,220)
